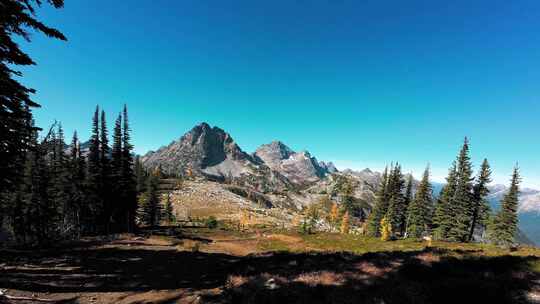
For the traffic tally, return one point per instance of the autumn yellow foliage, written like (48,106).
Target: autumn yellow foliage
(334,213)
(345,223)
(386,229)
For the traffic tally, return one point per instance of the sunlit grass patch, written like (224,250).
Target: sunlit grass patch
(272,244)
(535,266)
(326,278)
(358,244)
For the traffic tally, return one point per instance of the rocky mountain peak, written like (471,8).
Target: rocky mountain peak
(329,167)
(299,167)
(304,154)
(210,151)
(200,148)
(273,153)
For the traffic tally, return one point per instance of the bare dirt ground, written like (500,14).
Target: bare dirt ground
(201,266)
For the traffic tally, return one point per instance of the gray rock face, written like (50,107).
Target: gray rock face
(329,167)
(210,151)
(299,167)
(529,199)
(273,154)
(371,177)
(84,146)
(201,149)
(528,210)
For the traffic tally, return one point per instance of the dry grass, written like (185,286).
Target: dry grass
(326,278)
(235,281)
(217,266)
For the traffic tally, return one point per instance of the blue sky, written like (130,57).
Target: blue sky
(360,83)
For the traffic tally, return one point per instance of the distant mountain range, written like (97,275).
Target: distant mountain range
(529,209)
(211,153)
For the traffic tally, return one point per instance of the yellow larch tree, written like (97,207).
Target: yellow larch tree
(345,223)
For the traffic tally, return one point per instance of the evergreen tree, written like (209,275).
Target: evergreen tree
(348,202)
(42,214)
(407,201)
(418,218)
(93,179)
(105,217)
(380,208)
(480,210)
(149,211)
(76,180)
(26,199)
(116,153)
(61,195)
(118,187)
(128,177)
(60,190)
(461,206)
(31,200)
(18,214)
(505,223)
(16,131)
(140,176)
(396,213)
(443,217)
(168,215)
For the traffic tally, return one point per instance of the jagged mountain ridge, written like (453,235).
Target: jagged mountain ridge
(299,167)
(275,168)
(529,199)
(203,149)
(528,210)
(211,152)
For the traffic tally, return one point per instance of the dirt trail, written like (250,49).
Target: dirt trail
(230,267)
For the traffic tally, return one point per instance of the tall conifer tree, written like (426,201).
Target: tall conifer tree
(27,198)
(94,180)
(419,209)
(505,223)
(149,211)
(59,173)
(168,215)
(129,181)
(76,181)
(141,176)
(443,217)
(106,191)
(380,207)
(16,130)
(118,187)
(116,152)
(407,201)
(461,205)
(396,201)
(42,214)
(480,206)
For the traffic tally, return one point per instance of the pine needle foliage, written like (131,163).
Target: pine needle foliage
(505,222)
(419,212)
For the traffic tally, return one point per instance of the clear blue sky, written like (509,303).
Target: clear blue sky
(361,83)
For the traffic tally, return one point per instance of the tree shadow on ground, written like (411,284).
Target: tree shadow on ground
(427,276)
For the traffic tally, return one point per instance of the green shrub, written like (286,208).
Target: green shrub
(211,222)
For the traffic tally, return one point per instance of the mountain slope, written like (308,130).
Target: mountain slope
(299,167)
(291,179)
(528,212)
(211,152)
(203,150)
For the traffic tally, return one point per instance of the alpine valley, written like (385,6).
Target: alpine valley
(275,184)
